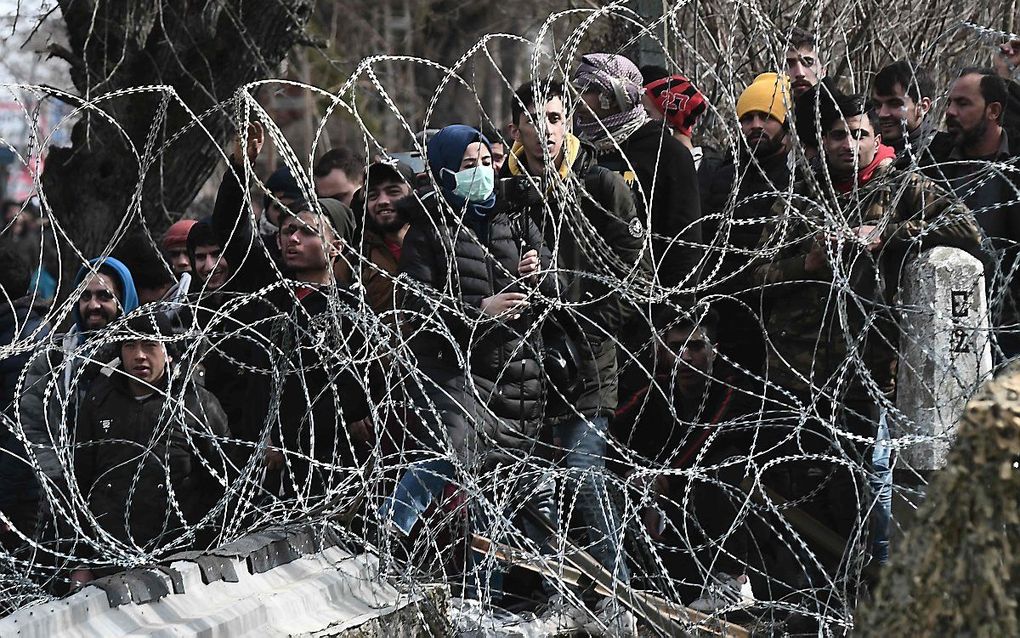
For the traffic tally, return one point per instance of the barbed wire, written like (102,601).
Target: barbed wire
(785,450)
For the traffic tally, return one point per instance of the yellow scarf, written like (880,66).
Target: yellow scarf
(572,148)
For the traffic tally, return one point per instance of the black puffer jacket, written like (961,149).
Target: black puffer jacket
(459,266)
(130,455)
(590,218)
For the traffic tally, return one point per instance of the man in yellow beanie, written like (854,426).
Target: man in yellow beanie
(762,110)
(761,160)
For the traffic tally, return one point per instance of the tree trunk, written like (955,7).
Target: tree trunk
(139,156)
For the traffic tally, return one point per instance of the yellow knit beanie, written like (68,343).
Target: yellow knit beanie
(769,93)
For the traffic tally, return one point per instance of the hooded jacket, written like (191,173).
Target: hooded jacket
(58,369)
(589,221)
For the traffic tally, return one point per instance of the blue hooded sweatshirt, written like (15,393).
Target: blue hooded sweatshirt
(129,300)
(445,152)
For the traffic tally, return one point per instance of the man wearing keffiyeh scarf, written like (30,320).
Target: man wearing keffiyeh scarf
(611,86)
(659,169)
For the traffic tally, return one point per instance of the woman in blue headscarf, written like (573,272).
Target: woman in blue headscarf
(472,273)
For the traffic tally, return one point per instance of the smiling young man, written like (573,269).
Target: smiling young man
(386,184)
(902,94)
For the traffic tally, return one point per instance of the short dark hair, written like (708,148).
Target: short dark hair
(148,270)
(202,234)
(993,87)
(15,271)
(493,135)
(914,78)
(527,93)
(669,318)
(653,72)
(848,106)
(347,160)
(801,38)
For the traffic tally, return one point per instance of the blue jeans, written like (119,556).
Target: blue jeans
(584,442)
(422,483)
(881,487)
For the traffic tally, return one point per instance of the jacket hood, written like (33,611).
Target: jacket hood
(129,295)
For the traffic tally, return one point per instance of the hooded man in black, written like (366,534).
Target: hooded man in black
(308,400)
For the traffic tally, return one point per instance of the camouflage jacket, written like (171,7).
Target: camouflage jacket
(833,330)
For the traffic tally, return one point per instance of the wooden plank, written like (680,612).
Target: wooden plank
(584,571)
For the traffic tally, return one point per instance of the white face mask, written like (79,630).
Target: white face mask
(475,184)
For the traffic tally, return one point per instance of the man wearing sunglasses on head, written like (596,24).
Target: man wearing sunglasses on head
(62,367)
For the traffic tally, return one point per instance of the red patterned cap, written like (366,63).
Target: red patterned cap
(678,101)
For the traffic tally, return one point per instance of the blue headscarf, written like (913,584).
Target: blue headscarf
(445,151)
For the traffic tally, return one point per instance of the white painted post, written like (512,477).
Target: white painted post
(945,352)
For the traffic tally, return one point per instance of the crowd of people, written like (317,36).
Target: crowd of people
(583,314)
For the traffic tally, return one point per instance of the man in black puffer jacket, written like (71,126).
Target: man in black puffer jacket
(148,450)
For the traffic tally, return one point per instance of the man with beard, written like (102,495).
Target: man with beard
(803,65)
(902,94)
(59,372)
(979,103)
(386,183)
(829,261)
(759,171)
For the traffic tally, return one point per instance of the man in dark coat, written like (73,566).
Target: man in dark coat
(22,320)
(692,423)
(148,448)
(587,216)
(658,168)
(826,363)
(736,202)
(981,120)
(60,369)
(308,400)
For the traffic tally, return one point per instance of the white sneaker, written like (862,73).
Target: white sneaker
(561,616)
(612,619)
(725,593)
